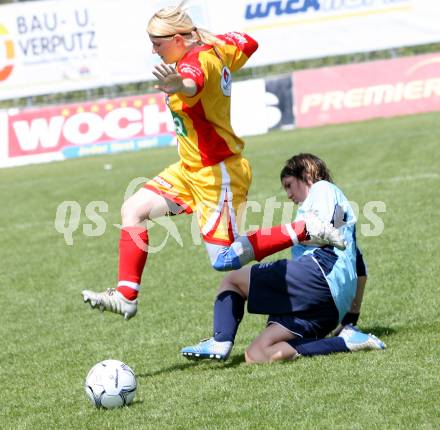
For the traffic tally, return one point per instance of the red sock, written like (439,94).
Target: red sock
(268,241)
(133,251)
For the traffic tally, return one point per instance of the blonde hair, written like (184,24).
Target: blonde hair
(173,20)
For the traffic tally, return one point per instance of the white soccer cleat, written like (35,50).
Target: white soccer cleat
(111,300)
(208,348)
(340,327)
(358,341)
(323,233)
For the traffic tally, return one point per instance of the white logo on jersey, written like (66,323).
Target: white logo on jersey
(226,81)
(187,69)
(237,37)
(162,182)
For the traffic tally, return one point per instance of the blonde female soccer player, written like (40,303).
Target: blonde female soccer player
(211,176)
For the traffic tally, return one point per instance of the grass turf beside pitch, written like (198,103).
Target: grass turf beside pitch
(50,339)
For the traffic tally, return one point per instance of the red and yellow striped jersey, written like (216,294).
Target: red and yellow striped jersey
(203,122)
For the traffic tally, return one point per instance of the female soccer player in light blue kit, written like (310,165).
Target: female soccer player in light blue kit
(306,297)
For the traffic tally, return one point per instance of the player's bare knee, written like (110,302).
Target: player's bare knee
(227,281)
(233,282)
(249,356)
(255,354)
(132,215)
(226,285)
(128,216)
(125,211)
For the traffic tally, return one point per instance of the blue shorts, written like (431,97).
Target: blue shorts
(295,294)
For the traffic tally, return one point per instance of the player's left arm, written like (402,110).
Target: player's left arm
(237,49)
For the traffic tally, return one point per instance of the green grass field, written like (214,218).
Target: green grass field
(50,339)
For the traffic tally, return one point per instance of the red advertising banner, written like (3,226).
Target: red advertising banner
(75,130)
(357,92)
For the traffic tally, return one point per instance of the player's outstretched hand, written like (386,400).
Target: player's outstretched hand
(169,79)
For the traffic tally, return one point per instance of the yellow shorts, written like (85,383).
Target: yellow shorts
(217,194)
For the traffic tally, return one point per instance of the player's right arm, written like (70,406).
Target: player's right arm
(171,81)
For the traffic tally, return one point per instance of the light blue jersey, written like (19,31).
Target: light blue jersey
(338,267)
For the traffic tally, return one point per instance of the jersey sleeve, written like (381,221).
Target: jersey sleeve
(237,49)
(191,68)
(322,200)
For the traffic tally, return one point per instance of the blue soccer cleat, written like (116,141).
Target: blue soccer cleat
(208,349)
(235,256)
(358,341)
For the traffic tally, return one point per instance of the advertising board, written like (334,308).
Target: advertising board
(357,92)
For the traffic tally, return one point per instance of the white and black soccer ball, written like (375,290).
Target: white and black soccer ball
(110,384)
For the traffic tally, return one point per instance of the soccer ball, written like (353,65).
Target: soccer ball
(110,384)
